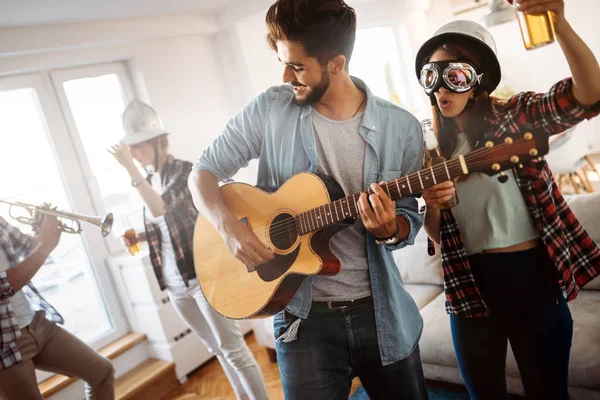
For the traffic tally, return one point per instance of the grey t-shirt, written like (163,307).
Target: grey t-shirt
(341,152)
(491,214)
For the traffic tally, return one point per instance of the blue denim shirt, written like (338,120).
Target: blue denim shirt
(280,134)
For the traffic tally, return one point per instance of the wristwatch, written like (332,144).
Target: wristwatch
(136,183)
(392,239)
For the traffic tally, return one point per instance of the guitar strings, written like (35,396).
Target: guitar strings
(289,225)
(285,225)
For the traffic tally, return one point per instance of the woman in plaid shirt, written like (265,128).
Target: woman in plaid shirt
(169,218)
(507,248)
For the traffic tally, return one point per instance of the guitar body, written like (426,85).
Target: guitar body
(236,291)
(301,242)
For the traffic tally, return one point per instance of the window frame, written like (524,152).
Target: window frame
(75,172)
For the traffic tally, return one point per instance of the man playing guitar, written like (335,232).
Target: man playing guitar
(360,322)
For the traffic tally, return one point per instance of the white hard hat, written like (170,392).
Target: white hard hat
(474,36)
(140,123)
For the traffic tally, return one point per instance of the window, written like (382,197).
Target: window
(380,60)
(42,164)
(96,97)
(34,177)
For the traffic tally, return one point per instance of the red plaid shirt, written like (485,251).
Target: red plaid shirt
(16,246)
(575,255)
(180,216)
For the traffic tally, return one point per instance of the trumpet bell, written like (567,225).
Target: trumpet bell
(106,224)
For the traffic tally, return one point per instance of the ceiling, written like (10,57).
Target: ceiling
(15,13)
(38,12)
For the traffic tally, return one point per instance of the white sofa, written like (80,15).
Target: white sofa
(422,276)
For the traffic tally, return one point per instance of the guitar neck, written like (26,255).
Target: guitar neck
(347,207)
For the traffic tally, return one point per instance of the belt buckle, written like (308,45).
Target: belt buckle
(336,308)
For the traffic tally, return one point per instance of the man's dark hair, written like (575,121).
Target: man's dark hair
(325,28)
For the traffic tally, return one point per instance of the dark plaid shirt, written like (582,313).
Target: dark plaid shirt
(575,255)
(180,217)
(17,246)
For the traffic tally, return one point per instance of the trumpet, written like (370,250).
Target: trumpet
(72,226)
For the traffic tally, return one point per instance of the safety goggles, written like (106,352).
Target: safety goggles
(456,76)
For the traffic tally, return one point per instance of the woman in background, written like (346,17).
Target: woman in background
(169,218)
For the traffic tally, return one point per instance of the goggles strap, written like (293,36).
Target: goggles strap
(469,104)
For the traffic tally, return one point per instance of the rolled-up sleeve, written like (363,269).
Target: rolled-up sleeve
(240,141)
(408,207)
(554,111)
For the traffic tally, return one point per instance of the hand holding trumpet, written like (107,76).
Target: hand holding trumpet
(47,227)
(49,232)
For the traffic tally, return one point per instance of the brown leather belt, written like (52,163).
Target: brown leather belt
(338,305)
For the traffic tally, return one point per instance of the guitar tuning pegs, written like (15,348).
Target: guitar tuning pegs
(502,178)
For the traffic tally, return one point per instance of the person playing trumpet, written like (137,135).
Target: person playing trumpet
(31,338)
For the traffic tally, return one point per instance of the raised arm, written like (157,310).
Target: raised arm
(582,62)
(20,275)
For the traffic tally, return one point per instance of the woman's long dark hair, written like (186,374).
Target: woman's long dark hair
(445,128)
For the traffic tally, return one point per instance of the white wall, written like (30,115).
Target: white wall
(173,62)
(185,86)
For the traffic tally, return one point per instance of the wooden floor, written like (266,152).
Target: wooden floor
(210,383)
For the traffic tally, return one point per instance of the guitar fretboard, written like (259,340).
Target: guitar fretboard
(347,207)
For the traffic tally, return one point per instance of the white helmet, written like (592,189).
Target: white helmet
(473,35)
(140,123)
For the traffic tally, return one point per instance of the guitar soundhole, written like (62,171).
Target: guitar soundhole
(283,232)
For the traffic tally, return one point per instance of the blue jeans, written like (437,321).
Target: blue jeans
(334,346)
(528,310)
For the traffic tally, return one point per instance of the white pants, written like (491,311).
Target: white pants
(222,337)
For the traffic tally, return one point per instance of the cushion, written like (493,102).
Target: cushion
(416,266)
(584,366)
(423,293)
(436,342)
(586,208)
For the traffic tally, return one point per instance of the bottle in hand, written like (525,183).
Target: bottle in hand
(132,241)
(537,30)
(434,157)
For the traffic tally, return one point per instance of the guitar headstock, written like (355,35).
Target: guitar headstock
(513,151)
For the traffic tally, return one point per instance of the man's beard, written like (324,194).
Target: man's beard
(316,92)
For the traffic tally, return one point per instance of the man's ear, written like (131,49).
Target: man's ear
(338,64)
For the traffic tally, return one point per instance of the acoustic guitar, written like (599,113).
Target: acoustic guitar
(298,220)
